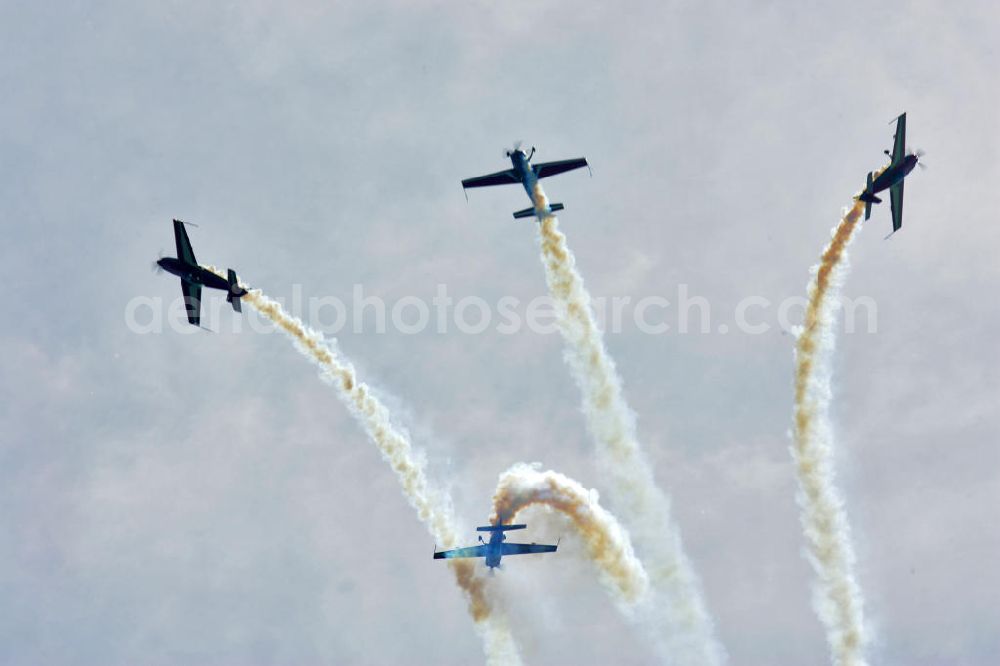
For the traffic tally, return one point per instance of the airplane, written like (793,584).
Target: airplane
(891,178)
(194,277)
(527,174)
(496,547)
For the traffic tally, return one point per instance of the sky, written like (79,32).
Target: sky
(176,496)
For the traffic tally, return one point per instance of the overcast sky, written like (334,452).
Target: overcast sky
(178,498)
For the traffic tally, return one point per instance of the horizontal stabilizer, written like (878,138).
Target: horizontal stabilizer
(532,212)
(869,197)
(499,528)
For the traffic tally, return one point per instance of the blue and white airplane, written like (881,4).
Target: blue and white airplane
(900,165)
(496,547)
(528,175)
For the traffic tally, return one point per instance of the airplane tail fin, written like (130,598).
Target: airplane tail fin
(235,291)
(531,212)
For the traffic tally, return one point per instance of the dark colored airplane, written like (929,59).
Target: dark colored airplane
(891,178)
(496,547)
(194,277)
(527,174)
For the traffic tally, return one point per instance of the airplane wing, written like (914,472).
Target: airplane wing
(507,177)
(184,251)
(471,551)
(192,300)
(546,169)
(524,548)
(899,144)
(896,200)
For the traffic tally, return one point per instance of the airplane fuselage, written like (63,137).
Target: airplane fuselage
(493,549)
(894,174)
(519,159)
(193,274)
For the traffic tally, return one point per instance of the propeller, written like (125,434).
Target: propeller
(517,146)
(155,265)
(918,153)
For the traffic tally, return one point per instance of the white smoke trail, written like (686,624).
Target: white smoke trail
(683,626)
(836,597)
(608,544)
(432,507)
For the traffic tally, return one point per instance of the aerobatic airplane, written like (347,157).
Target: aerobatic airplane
(496,547)
(194,277)
(527,174)
(891,178)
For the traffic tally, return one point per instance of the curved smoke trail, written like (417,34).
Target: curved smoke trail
(837,596)
(678,609)
(433,507)
(607,542)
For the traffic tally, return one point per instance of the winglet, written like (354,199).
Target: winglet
(186,224)
(466,193)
